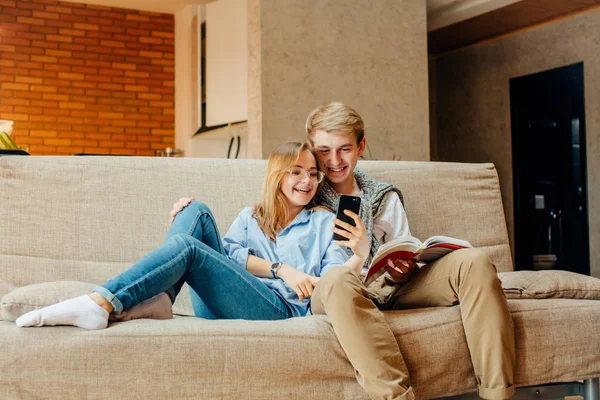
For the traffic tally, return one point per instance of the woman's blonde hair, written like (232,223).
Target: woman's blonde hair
(335,117)
(272,210)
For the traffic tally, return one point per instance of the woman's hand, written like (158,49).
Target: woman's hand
(357,241)
(401,270)
(180,205)
(303,284)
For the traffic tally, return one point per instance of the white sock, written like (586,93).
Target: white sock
(81,311)
(157,307)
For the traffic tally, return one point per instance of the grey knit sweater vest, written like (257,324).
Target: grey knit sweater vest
(370,206)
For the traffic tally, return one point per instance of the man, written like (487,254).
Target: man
(468,277)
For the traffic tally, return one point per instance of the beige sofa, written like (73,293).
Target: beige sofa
(88,218)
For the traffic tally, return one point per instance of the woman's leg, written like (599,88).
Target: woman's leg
(224,286)
(229,290)
(197,220)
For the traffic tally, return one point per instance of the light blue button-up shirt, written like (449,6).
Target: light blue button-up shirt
(306,244)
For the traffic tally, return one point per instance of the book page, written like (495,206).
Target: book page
(403,242)
(445,239)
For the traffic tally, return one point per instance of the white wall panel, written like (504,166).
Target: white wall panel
(226,62)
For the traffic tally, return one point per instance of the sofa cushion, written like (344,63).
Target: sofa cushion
(549,284)
(219,359)
(36,296)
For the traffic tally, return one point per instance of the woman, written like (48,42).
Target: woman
(265,268)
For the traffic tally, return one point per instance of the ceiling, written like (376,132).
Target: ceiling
(513,16)
(441,13)
(451,24)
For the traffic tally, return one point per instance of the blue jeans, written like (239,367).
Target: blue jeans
(193,253)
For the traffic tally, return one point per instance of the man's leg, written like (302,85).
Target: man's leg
(363,333)
(468,277)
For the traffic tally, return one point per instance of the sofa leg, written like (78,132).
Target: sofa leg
(590,389)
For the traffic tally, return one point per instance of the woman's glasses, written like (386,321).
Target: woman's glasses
(297,174)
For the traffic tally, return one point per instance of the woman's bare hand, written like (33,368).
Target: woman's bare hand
(180,205)
(301,283)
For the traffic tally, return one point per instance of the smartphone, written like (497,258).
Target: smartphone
(351,203)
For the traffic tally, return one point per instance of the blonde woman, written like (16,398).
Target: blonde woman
(265,268)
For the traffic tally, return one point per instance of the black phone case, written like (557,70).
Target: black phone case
(351,203)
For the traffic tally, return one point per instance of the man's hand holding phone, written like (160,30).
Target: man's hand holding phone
(355,237)
(349,231)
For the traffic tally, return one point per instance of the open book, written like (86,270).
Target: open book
(411,248)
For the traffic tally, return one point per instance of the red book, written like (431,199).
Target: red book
(410,248)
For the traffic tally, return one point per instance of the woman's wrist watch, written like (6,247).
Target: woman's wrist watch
(275,267)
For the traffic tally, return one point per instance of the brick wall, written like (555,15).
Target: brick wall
(79,78)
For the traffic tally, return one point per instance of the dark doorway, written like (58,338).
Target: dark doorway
(549,170)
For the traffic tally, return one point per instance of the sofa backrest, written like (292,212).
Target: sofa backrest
(89,218)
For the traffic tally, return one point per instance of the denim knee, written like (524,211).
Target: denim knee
(198,207)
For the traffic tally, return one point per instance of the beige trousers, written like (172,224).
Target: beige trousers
(465,276)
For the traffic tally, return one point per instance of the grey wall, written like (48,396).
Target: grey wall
(472,101)
(369,54)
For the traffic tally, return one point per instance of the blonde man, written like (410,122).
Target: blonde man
(468,277)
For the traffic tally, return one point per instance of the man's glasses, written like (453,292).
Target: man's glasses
(297,174)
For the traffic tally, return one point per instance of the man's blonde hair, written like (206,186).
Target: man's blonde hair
(335,117)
